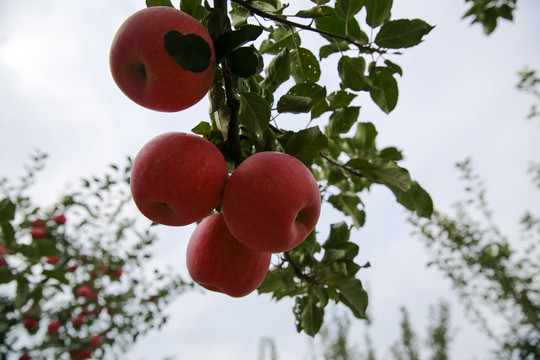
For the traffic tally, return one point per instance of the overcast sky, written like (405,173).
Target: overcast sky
(457,99)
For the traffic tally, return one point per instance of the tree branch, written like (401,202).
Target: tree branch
(233,132)
(363,47)
(298,272)
(340,165)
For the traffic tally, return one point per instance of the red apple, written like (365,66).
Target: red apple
(79,321)
(178,178)
(38,233)
(271,202)
(218,262)
(95,340)
(143,69)
(39,223)
(53,327)
(52,259)
(85,292)
(60,219)
(30,324)
(80,354)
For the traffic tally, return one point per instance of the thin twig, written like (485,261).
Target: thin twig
(363,47)
(340,165)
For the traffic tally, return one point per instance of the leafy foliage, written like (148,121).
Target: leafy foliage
(529,83)
(266,73)
(488,12)
(333,341)
(73,274)
(487,270)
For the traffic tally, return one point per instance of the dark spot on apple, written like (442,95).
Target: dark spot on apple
(142,70)
(164,204)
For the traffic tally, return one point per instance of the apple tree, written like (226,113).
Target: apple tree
(72,280)
(271,93)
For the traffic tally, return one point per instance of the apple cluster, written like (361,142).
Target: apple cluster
(269,204)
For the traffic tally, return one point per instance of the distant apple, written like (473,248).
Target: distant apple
(79,321)
(178,178)
(95,340)
(60,219)
(52,259)
(53,327)
(218,262)
(30,324)
(85,292)
(271,202)
(144,70)
(38,233)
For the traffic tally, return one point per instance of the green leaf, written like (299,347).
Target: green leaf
(234,39)
(5,275)
(402,33)
(239,15)
(217,22)
(336,25)
(245,61)
(335,47)
(294,104)
(346,9)
(193,8)
(310,315)
(348,203)
(279,282)
(150,3)
(391,153)
(277,72)
(23,291)
(385,90)
(364,138)
(342,120)
(46,247)
(312,13)
(306,144)
(353,295)
(280,38)
(333,255)
(317,94)
(352,73)
(7,211)
(394,68)
(57,274)
(203,128)
(191,51)
(340,98)
(254,112)
(415,199)
(383,172)
(304,66)
(378,11)
(8,233)
(339,234)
